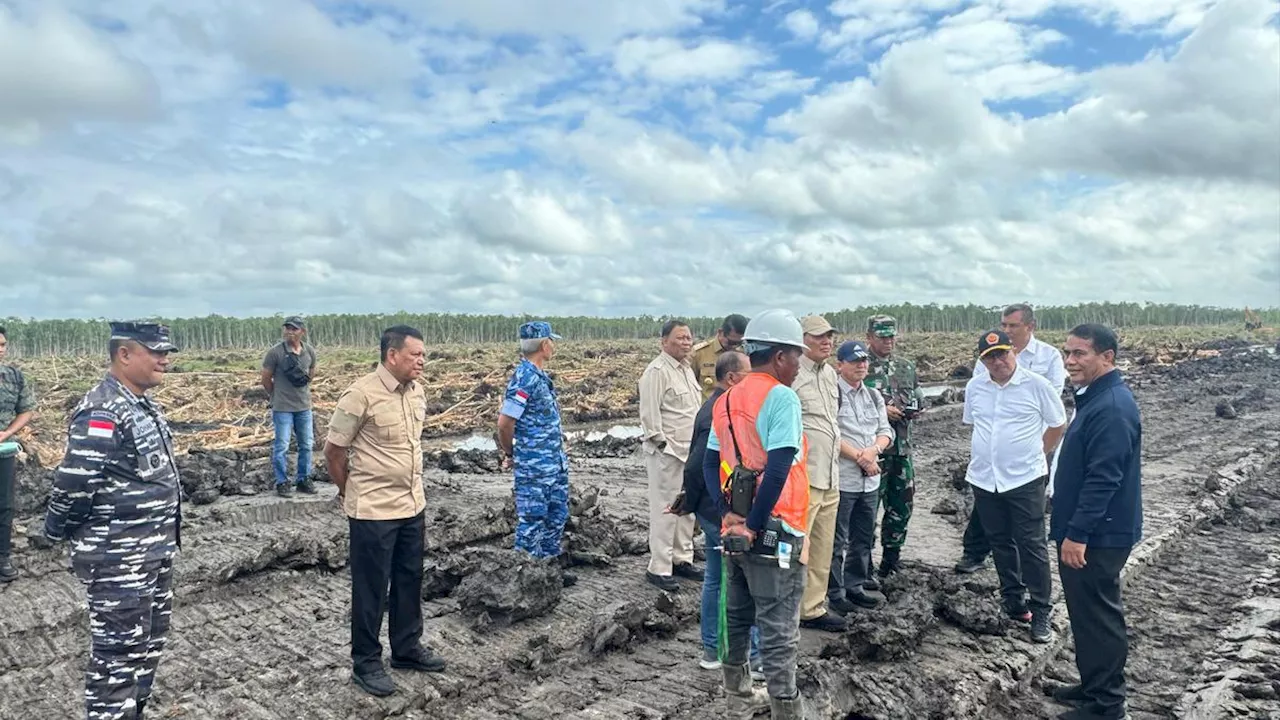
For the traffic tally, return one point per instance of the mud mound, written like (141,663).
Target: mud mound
(625,621)
(1230,343)
(207,475)
(974,608)
(593,537)
(475,462)
(506,586)
(31,487)
(605,445)
(1206,369)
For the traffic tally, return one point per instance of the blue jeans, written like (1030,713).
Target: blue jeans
(711,596)
(287,423)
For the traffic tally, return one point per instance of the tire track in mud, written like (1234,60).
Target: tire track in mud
(1204,621)
(261,620)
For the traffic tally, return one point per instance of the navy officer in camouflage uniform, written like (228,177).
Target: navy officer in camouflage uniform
(895,377)
(116,497)
(531,439)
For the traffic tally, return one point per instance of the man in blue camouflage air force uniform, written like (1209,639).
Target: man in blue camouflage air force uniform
(116,497)
(531,439)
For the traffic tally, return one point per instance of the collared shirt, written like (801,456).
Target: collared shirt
(862,418)
(530,400)
(1007,448)
(16,395)
(1040,358)
(816,386)
(116,494)
(669,402)
(379,421)
(703,359)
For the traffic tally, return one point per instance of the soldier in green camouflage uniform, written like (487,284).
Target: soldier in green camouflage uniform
(895,377)
(17,406)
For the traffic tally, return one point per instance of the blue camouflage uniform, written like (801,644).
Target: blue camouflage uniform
(117,498)
(541,468)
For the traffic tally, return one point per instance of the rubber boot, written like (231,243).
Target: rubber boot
(786,708)
(742,700)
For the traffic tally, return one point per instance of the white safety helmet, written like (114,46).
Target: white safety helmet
(773,327)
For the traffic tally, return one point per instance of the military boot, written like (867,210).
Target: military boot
(742,700)
(889,562)
(786,708)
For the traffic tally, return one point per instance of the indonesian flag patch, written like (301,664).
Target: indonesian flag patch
(101,428)
(522,397)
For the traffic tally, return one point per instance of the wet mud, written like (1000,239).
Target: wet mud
(262,609)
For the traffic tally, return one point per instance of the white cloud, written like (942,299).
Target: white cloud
(55,69)
(428,159)
(294,41)
(802,23)
(669,60)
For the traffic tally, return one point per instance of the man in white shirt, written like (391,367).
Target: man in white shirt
(1017,418)
(1018,321)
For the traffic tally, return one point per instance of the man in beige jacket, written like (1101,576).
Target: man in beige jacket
(818,388)
(669,400)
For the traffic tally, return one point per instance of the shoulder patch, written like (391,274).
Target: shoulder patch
(101,424)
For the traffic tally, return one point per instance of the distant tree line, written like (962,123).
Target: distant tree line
(45,337)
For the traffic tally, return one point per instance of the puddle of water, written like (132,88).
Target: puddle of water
(483,443)
(621,432)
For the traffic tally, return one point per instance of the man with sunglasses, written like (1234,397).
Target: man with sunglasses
(704,355)
(1017,418)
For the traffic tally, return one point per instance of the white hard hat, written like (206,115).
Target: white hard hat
(775,327)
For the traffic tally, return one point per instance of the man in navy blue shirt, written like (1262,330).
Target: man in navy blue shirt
(1097,519)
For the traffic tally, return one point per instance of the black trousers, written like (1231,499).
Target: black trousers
(1097,623)
(8,467)
(1014,521)
(385,551)
(975,541)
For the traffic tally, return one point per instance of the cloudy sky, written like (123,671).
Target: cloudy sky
(634,156)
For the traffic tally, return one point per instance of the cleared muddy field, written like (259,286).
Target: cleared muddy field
(260,625)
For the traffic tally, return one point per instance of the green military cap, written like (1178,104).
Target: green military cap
(882,325)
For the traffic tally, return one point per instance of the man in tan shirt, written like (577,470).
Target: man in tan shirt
(374,455)
(818,388)
(669,402)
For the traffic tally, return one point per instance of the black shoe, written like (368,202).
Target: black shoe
(307,487)
(689,571)
(889,562)
(1042,627)
(568,579)
(284,489)
(871,584)
(663,582)
(7,573)
(969,564)
(840,606)
(827,622)
(423,661)
(866,598)
(1018,613)
(1072,695)
(375,682)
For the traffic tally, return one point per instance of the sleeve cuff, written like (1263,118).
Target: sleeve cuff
(1076,535)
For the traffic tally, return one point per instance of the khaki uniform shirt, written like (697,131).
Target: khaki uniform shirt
(669,402)
(817,387)
(379,421)
(703,359)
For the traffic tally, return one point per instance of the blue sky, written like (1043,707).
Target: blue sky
(611,157)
